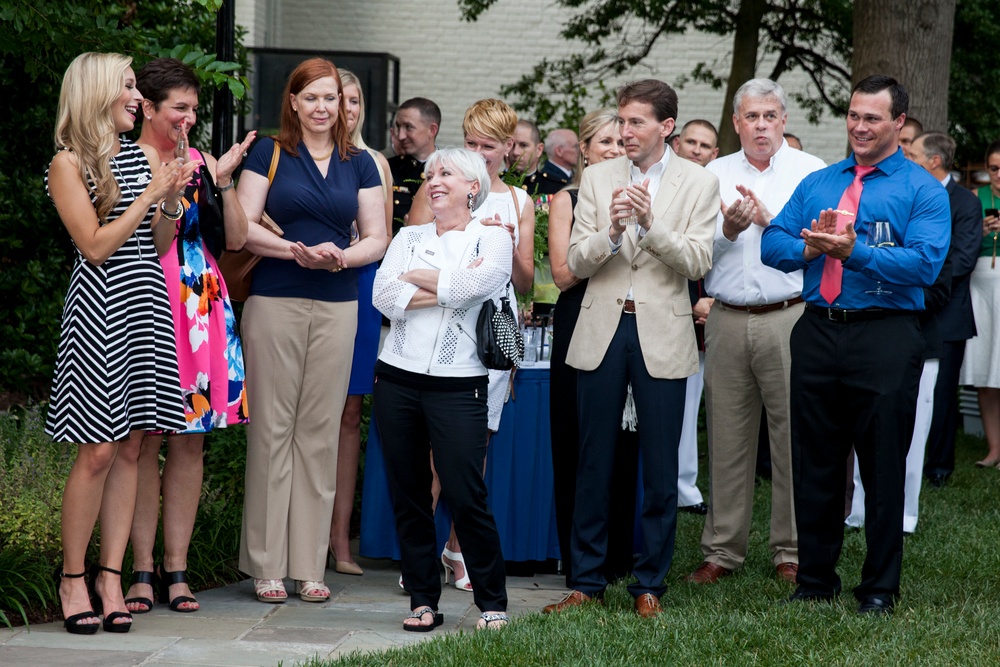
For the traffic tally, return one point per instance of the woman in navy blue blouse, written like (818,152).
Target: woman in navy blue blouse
(299,325)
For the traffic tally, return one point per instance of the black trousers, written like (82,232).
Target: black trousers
(409,420)
(940,456)
(660,410)
(566,452)
(853,383)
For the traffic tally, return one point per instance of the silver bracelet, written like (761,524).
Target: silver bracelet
(232,184)
(176,215)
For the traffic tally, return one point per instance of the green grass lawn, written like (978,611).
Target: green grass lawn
(949,612)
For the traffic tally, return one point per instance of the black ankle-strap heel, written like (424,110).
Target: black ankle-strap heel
(109,619)
(168,579)
(72,623)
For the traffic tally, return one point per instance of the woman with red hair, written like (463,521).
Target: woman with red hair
(299,325)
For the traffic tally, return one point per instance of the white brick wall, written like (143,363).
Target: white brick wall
(456,63)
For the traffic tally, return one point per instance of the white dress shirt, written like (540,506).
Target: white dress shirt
(655,175)
(738,277)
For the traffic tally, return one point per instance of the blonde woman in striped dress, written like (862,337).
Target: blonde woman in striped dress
(116,371)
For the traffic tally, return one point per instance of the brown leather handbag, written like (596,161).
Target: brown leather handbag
(237,265)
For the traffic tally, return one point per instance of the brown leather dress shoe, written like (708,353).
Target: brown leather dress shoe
(574,599)
(787,571)
(647,605)
(708,573)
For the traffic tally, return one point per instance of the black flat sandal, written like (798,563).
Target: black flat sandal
(418,613)
(139,577)
(168,579)
(109,619)
(72,623)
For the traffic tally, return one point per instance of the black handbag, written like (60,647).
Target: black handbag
(499,341)
(211,220)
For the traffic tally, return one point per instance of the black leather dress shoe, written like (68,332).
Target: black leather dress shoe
(875,605)
(700,508)
(803,596)
(937,480)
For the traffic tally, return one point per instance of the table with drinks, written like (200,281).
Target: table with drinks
(518,471)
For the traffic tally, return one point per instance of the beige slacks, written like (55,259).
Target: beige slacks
(747,363)
(298,364)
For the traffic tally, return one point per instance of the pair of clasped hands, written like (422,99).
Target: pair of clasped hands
(821,238)
(630,203)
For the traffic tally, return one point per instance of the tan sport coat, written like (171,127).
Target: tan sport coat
(678,247)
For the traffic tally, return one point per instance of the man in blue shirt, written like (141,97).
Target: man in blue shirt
(857,352)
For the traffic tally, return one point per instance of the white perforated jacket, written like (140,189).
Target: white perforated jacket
(440,341)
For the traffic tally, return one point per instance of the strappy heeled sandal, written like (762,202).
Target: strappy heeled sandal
(109,619)
(261,587)
(419,614)
(312,591)
(72,623)
(149,579)
(492,620)
(168,579)
(463,584)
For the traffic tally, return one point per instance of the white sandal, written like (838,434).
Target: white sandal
(463,584)
(264,586)
(312,591)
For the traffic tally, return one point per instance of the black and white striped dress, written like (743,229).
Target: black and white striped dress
(117,365)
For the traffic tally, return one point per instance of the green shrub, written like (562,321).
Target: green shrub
(26,583)
(33,472)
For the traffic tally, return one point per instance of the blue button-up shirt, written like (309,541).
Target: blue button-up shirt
(899,191)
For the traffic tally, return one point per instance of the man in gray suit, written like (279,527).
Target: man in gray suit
(644,227)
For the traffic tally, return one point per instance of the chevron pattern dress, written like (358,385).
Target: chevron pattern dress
(116,370)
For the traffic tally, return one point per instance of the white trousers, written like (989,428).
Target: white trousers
(687,453)
(914,459)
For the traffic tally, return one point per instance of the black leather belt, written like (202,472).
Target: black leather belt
(767,308)
(859,315)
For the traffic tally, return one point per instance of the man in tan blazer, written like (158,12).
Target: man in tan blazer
(643,227)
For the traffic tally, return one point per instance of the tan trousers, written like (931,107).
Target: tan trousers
(747,362)
(298,364)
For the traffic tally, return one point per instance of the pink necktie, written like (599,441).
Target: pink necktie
(833,269)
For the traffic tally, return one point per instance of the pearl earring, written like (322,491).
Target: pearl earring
(471,197)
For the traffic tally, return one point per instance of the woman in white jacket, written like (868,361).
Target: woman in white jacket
(430,386)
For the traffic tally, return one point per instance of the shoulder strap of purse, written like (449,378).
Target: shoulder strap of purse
(517,206)
(274,162)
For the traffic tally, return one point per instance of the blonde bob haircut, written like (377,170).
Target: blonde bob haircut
(85,125)
(592,123)
(490,118)
(349,78)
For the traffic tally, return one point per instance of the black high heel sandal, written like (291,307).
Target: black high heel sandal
(72,623)
(148,578)
(168,579)
(109,619)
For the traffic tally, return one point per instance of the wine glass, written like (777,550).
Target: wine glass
(879,236)
(620,182)
(181,150)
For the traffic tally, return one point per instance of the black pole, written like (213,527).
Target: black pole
(225,48)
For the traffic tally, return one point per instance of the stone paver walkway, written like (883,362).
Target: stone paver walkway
(233,629)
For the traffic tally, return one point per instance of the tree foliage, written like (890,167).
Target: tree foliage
(609,38)
(37,42)
(974,96)
(613,37)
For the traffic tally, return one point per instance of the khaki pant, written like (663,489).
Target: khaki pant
(298,364)
(747,362)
